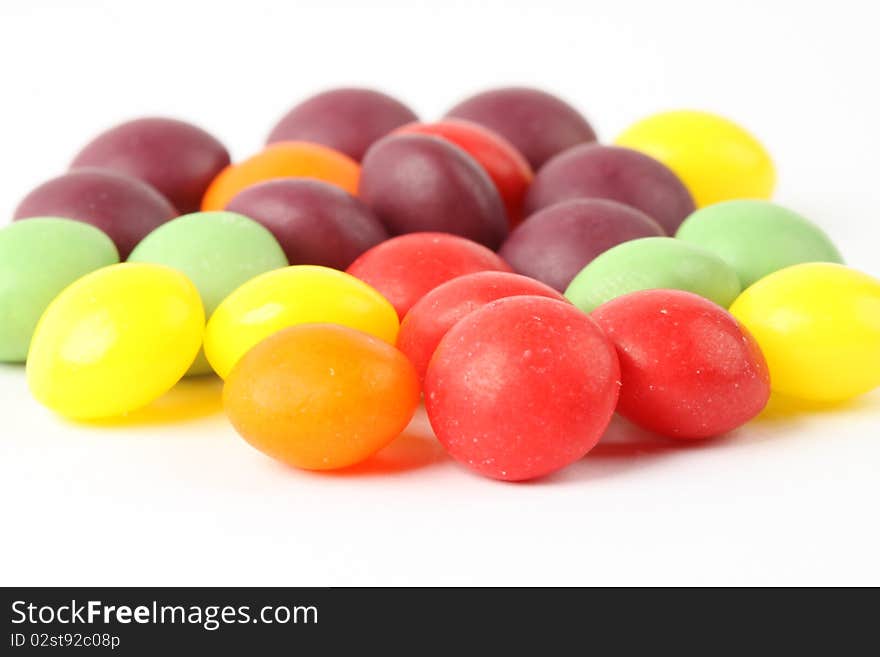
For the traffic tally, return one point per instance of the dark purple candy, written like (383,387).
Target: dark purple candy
(554,244)
(616,173)
(178,159)
(417,183)
(538,124)
(349,120)
(316,223)
(125,208)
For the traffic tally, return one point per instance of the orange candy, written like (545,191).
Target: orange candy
(288,159)
(321,396)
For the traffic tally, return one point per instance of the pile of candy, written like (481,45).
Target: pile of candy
(528,280)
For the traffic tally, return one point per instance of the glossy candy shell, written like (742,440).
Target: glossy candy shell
(521,387)
(321,396)
(115,340)
(301,294)
(818,325)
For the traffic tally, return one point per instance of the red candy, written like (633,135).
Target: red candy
(438,311)
(506,166)
(406,268)
(688,368)
(522,387)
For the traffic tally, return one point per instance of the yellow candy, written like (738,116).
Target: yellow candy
(818,325)
(715,158)
(286,297)
(115,340)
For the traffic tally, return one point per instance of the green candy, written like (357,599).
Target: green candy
(651,263)
(39,258)
(757,238)
(218,251)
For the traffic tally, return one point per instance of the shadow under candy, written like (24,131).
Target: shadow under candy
(191,399)
(12,369)
(409,451)
(626,446)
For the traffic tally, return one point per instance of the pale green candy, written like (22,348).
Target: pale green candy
(757,238)
(651,263)
(39,258)
(218,251)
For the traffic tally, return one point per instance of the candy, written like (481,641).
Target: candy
(717,159)
(757,237)
(362,254)
(295,159)
(316,223)
(218,251)
(321,396)
(125,208)
(115,340)
(440,309)
(537,124)
(178,159)
(406,268)
(507,168)
(300,294)
(38,259)
(688,369)
(417,183)
(818,325)
(521,387)
(348,120)
(618,174)
(653,262)
(555,243)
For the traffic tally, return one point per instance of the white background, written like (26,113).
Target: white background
(790,499)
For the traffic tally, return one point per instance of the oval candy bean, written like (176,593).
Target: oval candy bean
(301,294)
(617,174)
(440,309)
(177,158)
(416,183)
(115,340)
(507,168)
(555,243)
(124,208)
(316,223)
(321,396)
(38,259)
(818,325)
(757,237)
(288,159)
(406,268)
(538,124)
(688,369)
(653,263)
(522,387)
(347,120)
